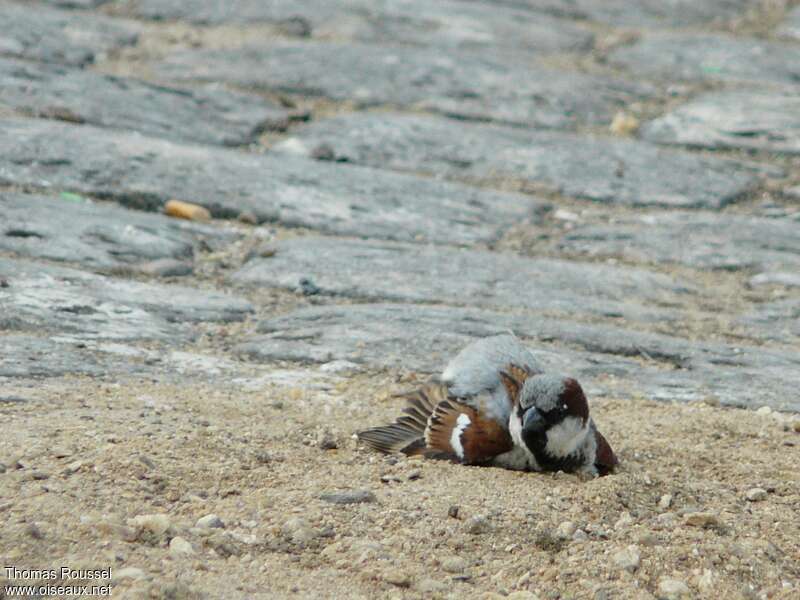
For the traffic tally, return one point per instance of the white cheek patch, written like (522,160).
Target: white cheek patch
(566,437)
(455,437)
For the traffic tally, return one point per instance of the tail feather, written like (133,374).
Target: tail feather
(407,434)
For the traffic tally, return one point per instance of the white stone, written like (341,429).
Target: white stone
(756,494)
(628,559)
(673,588)
(211,521)
(178,546)
(156,524)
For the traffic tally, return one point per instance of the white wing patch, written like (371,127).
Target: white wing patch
(455,437)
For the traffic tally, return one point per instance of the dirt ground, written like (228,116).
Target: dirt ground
(118,475)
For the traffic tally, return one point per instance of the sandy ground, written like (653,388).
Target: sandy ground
(118,475)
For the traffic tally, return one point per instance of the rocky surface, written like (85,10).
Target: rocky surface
(209,116)
(464,85)
(701,240)
(646,13)
(57,36)
(144,173)
(415,273)
(740,120)
(711,57)
(615,182)
(445,23)
(69,228)
(611,171)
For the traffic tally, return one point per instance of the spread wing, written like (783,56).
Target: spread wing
(438,425)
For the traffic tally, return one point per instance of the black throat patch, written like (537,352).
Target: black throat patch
(537,443)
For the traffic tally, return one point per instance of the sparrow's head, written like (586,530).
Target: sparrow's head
(552,418)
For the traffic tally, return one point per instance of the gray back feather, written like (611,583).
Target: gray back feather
(476,368)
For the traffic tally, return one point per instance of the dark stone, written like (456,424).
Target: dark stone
(465,85)
(83,306)
(99,236)
(442,23)
(601,169)
(206,115)
(295,192)
(711,57)
(58,36)
(411,273)
(768,121)
(349,497)
(699,240)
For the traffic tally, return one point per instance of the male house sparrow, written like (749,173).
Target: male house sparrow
(494,405)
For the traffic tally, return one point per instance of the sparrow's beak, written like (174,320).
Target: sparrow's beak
(532,422)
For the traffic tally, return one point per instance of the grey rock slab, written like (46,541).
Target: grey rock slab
(145,172)
(787,279)
(84,306)
(99,236)
(31,356)
(791,26)
(778,320)
(748,120)
(424,338)
(466,85)
(601,169)
(384,271)
(637,13)
(441,23)
(711,57)
(415,337)
(700,240)
(59,36)
(209,116)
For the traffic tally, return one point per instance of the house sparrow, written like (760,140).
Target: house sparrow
(494,405)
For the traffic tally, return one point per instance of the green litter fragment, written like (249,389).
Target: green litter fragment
(72,197)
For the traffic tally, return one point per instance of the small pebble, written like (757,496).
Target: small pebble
(349,497)
(431,586)
(522,595)
(127,573)
(796,426)
(454,564)
(628,559)
(477,525)
(327,442)
(665,501)
(566,530)
(156,524)
(453,511)
(178,546)
(756,494)
(764,410)
(580,535)
(701,519)
(397,577)
(211,521)
(33,530)
(673,588)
